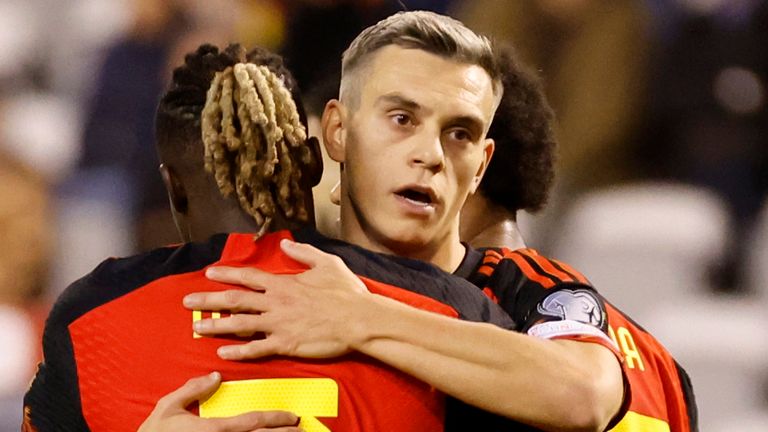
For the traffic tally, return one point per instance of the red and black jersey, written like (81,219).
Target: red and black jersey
(119,339)
(522,280)
(662,395)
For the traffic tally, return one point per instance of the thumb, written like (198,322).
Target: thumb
(198,388)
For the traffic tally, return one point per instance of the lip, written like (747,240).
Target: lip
(415,207)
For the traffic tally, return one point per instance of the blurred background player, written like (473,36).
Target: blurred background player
(519,178)
(522,169)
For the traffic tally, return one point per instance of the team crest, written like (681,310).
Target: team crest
(576,305)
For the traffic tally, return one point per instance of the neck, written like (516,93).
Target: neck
(445,252)
(485,225)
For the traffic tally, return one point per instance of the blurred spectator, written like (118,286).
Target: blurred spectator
(118,132)
(25,233)
(320,30)
(592,56)
(707,118)
(118,137)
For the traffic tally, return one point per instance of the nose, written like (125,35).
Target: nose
(428,152)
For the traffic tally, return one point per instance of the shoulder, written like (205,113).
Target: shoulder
(529,265)
(115,277)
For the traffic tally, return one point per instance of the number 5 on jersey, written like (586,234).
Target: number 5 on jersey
(306,397)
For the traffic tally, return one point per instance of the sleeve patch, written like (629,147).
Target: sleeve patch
(573,305)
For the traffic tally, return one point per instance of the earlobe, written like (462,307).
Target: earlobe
(488,148)
(177,194)
(333,129)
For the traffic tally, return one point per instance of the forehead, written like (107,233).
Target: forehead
(429,80)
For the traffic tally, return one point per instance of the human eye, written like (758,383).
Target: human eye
(401,119)
(460,135)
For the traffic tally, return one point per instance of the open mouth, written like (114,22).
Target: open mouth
(416,196)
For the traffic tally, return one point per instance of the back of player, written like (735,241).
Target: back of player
(661,398)
(119,339)
(235,158)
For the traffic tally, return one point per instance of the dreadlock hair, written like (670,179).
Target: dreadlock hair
(245,112)
(522,169)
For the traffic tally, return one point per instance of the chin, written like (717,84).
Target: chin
(406,239)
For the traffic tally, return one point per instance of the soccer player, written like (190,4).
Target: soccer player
(418,94)
(236,159)
(519,178)
(521,171)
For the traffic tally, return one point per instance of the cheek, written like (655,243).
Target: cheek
(463,171)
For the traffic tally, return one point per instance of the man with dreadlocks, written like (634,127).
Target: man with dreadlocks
(235,158)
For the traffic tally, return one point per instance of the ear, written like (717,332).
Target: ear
(332,124)
(314,172)
(177,194)
(335,194)
(488,147)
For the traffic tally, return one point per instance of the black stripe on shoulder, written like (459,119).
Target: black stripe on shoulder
(537,268)
(690,398)
(557,265)
(53,399)
(116,277)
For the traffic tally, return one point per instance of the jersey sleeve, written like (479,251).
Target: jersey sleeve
(52,402)
(545,298)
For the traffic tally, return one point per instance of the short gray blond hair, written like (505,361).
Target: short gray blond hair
(434,33)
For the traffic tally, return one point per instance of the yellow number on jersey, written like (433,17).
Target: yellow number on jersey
(634,422)
(306,397)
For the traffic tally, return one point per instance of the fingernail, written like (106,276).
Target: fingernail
(200,326)
(191,300)
(286,243)
(215,376)
(225,352)
(212,272)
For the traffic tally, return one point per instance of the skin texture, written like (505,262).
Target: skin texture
(428,140)
(485,224)
(417,127)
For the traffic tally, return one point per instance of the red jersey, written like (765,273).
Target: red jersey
(119,339)
(661,399)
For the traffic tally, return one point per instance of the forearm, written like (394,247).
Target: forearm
(563,386)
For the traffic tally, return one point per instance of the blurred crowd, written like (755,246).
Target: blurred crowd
(666,96)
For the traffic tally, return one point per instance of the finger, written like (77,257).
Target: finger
(281,429)
(195,389)
(258,420)
(239,324)
(251,350)
(306,254)
(234,300)
(249,277)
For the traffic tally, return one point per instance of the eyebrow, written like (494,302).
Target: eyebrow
(399,100)
(471,122)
